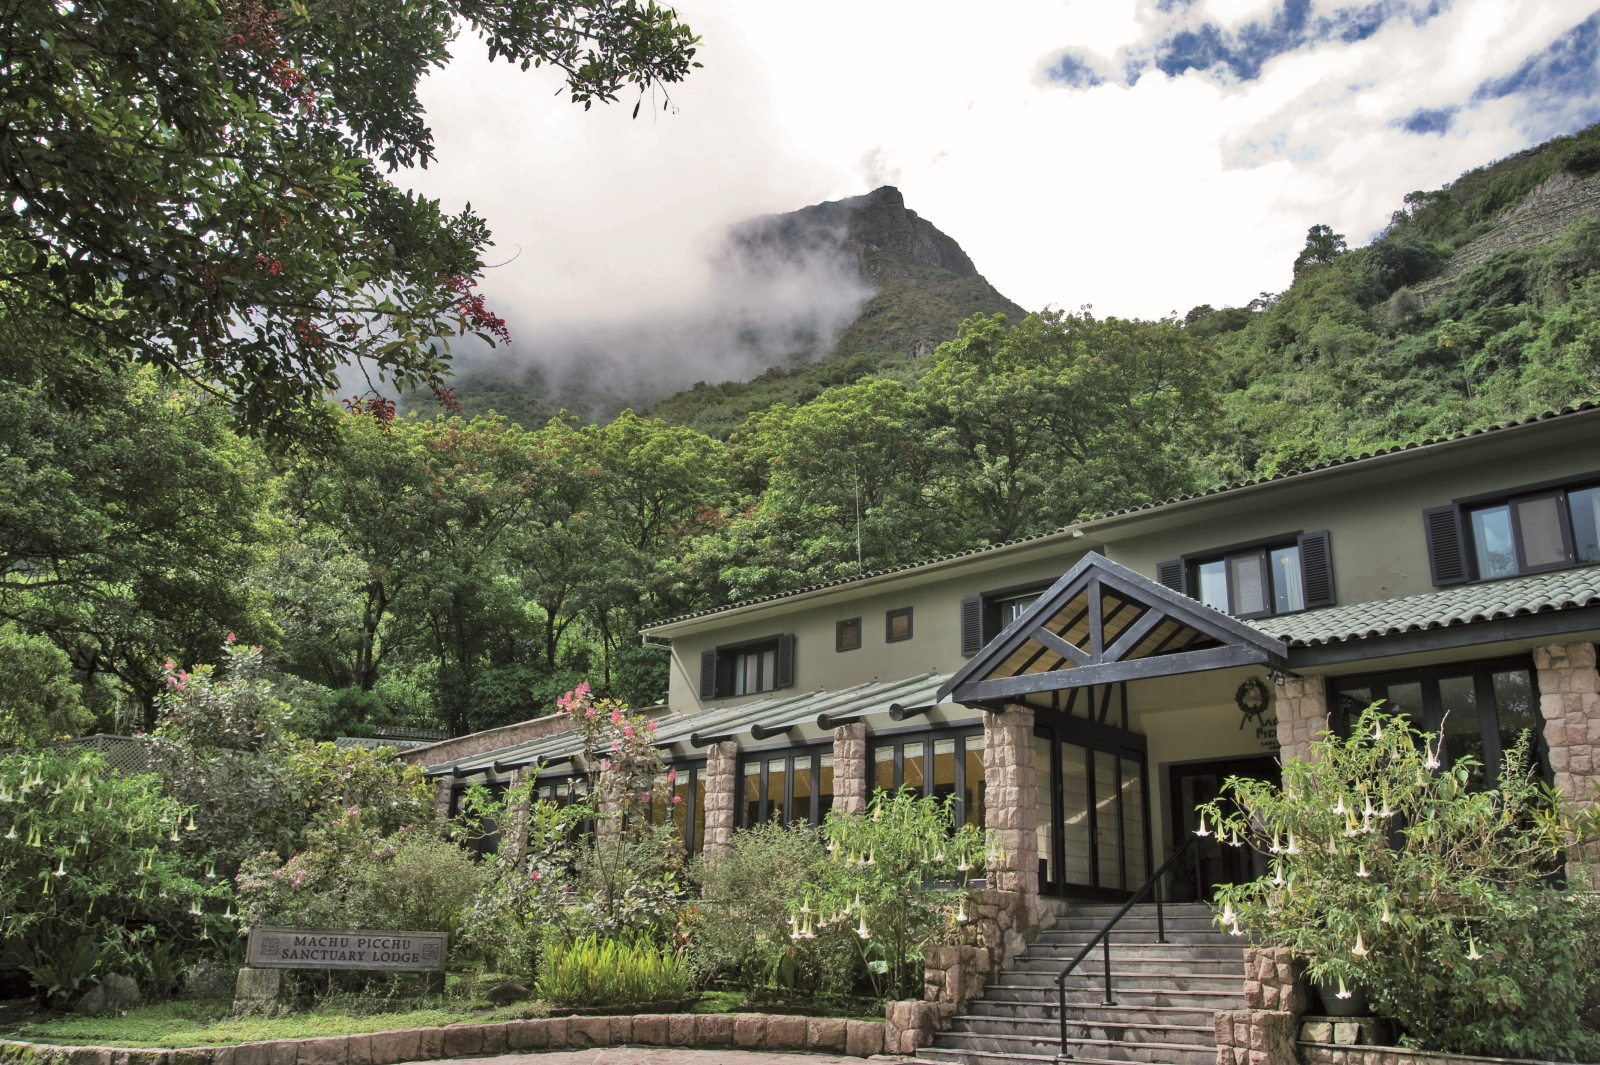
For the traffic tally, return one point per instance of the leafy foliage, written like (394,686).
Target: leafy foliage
(594,971)
(39,700)
(743,932)
(93,873)
(198,186)
(1394,873)
(885,862)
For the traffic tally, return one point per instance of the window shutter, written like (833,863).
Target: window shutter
(1171,575)
(1447,548)
(708,674)
(784,674)
(1316,569)
(971,625)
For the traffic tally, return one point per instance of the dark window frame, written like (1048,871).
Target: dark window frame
(839,628)
(1261,548)
(695,769)
(1561,488)
(989,606)
(722,657)
(815,751)
(926,738)
(1340,713)
(888,624)
(1059,729)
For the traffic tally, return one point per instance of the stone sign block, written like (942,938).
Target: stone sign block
(323,948)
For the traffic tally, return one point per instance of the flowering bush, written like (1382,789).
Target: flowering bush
(742,930)
(884,865)
(352,876)
(92,873)
(223,748)
(1394,873)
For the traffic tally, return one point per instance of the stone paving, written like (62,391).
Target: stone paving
(672,1056)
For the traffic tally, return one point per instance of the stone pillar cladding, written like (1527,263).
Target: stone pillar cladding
(1011,814)
(516,834)
(1265,1033)
(850,784)
(722,783)
(956,973)
(1302,706)
(1569,702)
(441,795)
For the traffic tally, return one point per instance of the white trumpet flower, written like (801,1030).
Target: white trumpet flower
(1292,848)
(862,930)
(1362,872)
(1201,831)
(1472,949)
(1339,807)
(1342,992)
(1360,949)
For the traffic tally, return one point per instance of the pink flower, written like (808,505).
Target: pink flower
(605,763)
(534,875)
(169,666)
(676,799)
(645,797)
(590,712)
(652,724)
(627,730)
(672,776)
(232,637)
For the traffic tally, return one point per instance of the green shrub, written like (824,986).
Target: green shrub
(1429,890)
(353,877)
(595,973)
(740,931)
(92,874)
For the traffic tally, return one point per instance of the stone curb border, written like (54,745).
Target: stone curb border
(744,1031)
(1336,1054)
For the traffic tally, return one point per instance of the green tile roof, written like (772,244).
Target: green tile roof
(1569,589)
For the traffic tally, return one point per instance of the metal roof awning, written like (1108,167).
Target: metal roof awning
(1102,623)
(769,718)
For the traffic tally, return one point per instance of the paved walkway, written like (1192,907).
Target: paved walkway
(670,1056)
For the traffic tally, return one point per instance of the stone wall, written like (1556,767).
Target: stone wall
(489,740)
(746,1031)
(910,1025)
(955,974)
(1322,1054)
(1256,1037)
(722,797)
(850,784)
(1265,1033)
(1302,708)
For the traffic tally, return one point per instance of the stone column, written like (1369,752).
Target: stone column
(1302,706)
(722,795)
(441,795)
(1012,811)
(850,783)
(1264,1033)
(1569,702)
(515,836)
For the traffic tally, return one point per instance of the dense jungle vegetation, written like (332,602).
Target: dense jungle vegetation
(462,572)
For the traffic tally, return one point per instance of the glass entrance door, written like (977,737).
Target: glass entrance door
(1211,861)
(1093,827)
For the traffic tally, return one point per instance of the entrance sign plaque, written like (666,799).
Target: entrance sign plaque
(272,947)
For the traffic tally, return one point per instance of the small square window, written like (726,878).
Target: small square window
(898,625)
(847,635)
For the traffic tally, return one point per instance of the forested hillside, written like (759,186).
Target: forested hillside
(463,570)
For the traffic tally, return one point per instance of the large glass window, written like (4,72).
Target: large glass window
(685,805)
(786,786)
(939,764)
(1093,817)
(1253,582)
(1480,709)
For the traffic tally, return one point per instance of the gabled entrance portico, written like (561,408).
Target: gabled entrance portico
(1079,821)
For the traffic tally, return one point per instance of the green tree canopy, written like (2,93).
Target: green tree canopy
(198,185)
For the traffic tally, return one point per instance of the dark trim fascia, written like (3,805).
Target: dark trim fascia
(1068,728)
(1582,480)
(1243,545)
(1013,590)
(1502,630)
(1004,688)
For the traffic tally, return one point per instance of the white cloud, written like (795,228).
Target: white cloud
(1139,199)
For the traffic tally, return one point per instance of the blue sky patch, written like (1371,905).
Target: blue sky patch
(1428,120)
(1073,71)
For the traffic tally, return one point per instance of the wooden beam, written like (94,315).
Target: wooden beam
(1096,631)
(1107,672)
(1133,634)
(1060,646)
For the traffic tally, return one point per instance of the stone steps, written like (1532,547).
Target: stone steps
(1164,995)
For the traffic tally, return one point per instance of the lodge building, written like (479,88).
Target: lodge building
(1079,692)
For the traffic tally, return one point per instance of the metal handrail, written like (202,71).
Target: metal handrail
(1103,938)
